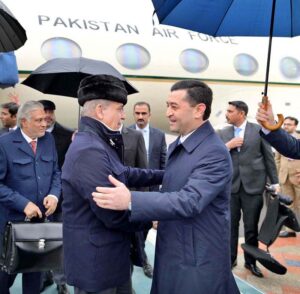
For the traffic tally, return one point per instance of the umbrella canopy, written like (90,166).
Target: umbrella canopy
(62,76)
(279,18)
(12,34)
(231,17)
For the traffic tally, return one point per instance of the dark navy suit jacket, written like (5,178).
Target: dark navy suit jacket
(25,177)
(193,239)
(284,143)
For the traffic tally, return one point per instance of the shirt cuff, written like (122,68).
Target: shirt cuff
(265,131)
(53,196)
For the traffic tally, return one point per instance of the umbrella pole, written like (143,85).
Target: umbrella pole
(78,116)
(265,93)
(270,48)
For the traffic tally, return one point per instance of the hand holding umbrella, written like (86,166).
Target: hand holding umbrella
(268,121)
(265,115)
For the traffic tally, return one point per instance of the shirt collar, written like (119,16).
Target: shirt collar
(183,138)
(13,129)
(242,126)
(50,129)
(145,129)
(28,139)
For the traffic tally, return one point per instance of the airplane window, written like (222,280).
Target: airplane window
(60,47)
(193,60)
(133,56)
(245,64)
(290,67)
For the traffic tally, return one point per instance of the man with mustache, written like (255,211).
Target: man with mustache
(156,147)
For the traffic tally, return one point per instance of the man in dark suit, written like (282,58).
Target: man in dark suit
(62,137)
(135,155)
(30,183)
(8,117)
(155,140)
(253,162)
(156,148)
(193,234)
(283,142)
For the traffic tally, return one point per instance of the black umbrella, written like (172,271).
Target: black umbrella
(12,34)
(61,76)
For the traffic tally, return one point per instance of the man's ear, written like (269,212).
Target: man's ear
(199,110)
(99,111)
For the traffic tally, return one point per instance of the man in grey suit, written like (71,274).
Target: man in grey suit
(253,162)
(156,147)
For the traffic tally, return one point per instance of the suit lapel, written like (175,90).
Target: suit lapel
(21,143)
(151,140)
(228,134)
(247,135)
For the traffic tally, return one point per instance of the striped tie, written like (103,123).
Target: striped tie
(33,146)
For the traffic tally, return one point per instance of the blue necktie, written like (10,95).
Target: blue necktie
(237,132)
(237,135)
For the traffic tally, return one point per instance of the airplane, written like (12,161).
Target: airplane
(152,56)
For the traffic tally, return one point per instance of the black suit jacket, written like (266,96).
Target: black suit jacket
(135,154)
(157,151)
(63,138)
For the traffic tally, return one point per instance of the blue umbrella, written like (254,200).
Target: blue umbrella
(279,18)
(9,75)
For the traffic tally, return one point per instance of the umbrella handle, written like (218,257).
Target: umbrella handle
(279,116)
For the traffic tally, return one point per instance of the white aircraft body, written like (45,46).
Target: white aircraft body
(153,56)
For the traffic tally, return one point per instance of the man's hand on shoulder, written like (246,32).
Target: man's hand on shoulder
(117,198)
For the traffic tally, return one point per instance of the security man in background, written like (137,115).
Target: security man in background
(8,117)
(62,137)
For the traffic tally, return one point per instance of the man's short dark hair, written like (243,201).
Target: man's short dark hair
(140,103)
(12,107)
(197,92)
(48,105)
(295,120)
(240,105)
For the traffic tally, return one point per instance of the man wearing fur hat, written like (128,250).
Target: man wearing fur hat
(97,241)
